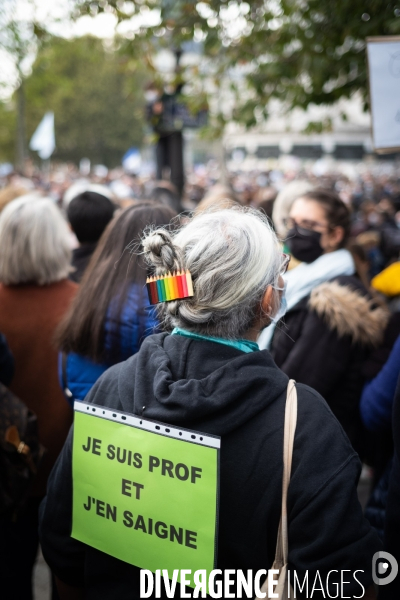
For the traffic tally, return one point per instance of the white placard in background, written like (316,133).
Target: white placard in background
(384,81)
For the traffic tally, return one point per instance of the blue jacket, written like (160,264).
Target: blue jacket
(375,510)
(137,321)
(377,398)
(392,523)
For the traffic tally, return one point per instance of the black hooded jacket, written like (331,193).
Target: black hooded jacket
(220,390)
(324,342)
(6,362)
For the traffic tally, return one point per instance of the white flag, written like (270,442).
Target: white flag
(43,140)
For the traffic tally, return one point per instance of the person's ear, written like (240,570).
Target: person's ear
(267,301)
(336,236)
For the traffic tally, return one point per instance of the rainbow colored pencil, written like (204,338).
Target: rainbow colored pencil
(164,283)
(189,283)
(171,286)
(150,289)
(154,289)
(169,283)
(164,288)
(160,290)
(184,284)
(174,283)
(179,285)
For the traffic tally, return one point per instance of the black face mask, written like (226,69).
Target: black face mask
(305,247)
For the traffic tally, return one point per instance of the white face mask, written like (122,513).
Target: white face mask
(283,305)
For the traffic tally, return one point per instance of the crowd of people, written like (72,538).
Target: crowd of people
(294,278)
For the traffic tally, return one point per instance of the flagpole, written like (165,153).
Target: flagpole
(46,169)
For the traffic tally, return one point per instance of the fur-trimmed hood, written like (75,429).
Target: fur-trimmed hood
(349,313)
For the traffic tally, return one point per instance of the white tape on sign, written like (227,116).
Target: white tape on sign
(154,426)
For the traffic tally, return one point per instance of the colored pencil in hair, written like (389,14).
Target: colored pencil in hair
(189,283)
(164,288)
(153,287)
(167,281)
(171,286)
(164,292)
(179,285)
(184,284)
(160,294)
(176,286)
(149,292)
(171,281)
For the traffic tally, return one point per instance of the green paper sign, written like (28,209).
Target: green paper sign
(144,492)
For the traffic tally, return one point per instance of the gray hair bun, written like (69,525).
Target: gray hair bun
(233,255)
(160,252)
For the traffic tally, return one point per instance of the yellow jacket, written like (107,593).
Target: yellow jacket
(388,281)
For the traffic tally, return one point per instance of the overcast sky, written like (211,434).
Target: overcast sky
(53,14)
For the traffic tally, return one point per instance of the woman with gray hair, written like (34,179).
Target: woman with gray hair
(34,295)
(207,373)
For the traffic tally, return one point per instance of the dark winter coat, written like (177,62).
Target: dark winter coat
(6,362)
(220,390)
(375,511)
(80,259)
(324,341)
(392,524)
(29,316)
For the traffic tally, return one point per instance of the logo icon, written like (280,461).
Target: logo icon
(384,568)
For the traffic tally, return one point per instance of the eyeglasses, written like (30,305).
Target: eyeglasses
(305,226)
(285,264)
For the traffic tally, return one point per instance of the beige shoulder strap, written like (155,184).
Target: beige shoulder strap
(281,554)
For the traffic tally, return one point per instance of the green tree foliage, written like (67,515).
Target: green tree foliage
(96,96)
(298,51)
(8,128)
(21,36)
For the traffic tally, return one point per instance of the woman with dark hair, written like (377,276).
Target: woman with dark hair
(330,325)
(110,316)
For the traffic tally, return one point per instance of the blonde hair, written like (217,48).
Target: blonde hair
(218,197)
(10,193)
(284,200)
(233,255)
(34,242)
